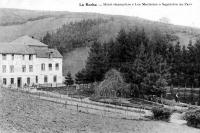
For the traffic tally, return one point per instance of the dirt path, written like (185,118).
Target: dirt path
(23,113)
(177,118)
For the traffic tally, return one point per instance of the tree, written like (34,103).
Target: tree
(81,77)
(139,68)
(199,98)
(192,96)
(156,79)
(95,65)
(68,79)
(47,39)
(149,73)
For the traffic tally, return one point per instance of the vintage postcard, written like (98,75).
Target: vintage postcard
(99,66)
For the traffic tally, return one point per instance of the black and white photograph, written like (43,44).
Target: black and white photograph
(99,66)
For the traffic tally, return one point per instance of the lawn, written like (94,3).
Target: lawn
(21,112)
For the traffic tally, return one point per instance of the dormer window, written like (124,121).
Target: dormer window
(13,56)
(3,56)
(23,57)
(30,57)
(50,54)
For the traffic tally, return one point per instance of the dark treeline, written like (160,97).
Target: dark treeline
(148,63)
(73,35)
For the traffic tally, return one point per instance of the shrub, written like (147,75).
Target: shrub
(193,118)
(160,113)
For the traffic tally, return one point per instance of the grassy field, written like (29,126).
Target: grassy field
(20,112)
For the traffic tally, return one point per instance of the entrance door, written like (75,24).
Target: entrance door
(19,82)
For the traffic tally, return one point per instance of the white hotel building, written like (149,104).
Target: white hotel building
(27,61)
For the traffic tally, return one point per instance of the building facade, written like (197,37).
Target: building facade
(28,62)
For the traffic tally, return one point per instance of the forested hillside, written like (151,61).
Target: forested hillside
(75,35)
(84,32)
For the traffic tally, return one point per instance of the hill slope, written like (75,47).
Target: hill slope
(75,60)
(16,22)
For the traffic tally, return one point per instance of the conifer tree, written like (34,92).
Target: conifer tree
(68,79)
(96,66)
(199,98)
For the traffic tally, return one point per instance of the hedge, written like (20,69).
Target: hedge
(160,113)
(193,118)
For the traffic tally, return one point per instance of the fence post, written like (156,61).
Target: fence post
(185,95)
(65,103)
(104,109)
(127,110)
(192,95)
(87,108)
(140,111)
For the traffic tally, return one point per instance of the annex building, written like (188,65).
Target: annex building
(27,62)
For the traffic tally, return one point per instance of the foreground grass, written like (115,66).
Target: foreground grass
(22,113)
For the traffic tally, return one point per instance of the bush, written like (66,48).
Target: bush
(160,113)
(193,118)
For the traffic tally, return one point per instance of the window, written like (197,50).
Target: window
(50,67)
(23,57)
(12,81)
(57,66)
(3,56)
(50,54)
(36,79)
(55,78)
(45,79)
(4,81)
(12,69)
(24,68)
(30,68)
(30,57)
(13,56)
(4,68)
(28,80)
(43,67)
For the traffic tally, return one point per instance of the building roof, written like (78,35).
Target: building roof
(45,51)
(28,45)
(7,48)
(26,40)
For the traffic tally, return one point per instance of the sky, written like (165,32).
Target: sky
(186,14)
